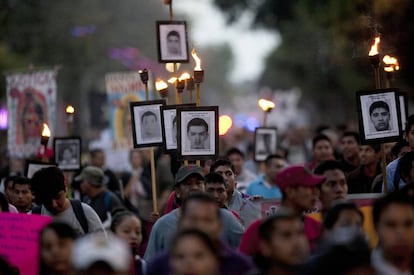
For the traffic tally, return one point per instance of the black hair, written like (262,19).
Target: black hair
(148,113)
(269,158)
(197,122)
(119,213)
(9,181)
(221,162)
(214,178)
(233,151)
(173,33)
(63,231)
(332,214)
(200,197)
(4,204)
(95,151)
(409,123)
(328,165)
(375,146)
(405,164)
(211,245)
(353,134)
(378,104)
(320,137)
(47,183)
(403,196)
(21,180)
(396,149)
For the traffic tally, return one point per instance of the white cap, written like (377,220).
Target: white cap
(96,247)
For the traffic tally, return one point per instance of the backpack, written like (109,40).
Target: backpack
(77,209)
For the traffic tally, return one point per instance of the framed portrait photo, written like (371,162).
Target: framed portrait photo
(172,42)
(32,166)
(265,142)
(379,115)
(198,135)
(67,153)
(146,123)
(169,125)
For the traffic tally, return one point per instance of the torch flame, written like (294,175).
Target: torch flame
(172,80)
(70,109)
(389,69)
(391,62)
(160,85)
(45,131)
(184,76)
(374,47)
(266,105)
(197,60)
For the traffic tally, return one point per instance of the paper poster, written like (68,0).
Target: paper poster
(123,88)
(31,101)
(19,240)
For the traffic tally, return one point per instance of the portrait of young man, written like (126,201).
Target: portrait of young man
(379,113)
(198,134)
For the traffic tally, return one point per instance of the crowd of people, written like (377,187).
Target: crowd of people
(212,217)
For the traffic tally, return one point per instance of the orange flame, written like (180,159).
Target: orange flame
(374,47)
(391,63)
(160,85)
(70,109)
(45,131)
(184,76)
(225,123)
(172,80)
(266,105)
(197,60)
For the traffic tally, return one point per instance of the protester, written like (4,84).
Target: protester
(216,187)
(23,196)
(128,227)
(8,188)
(406,168)
(200,211)
(265,185)
(322,150)
(97,253)
(48,185)
(56,243)
(342,214)
(244,177)
(189,179)
(110,180)
(97,196)
(194,252)
(236,201)
(350,142)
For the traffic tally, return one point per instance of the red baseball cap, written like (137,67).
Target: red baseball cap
(297,175)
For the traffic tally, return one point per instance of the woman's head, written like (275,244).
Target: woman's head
(127,226)
(194,252)
(56,241)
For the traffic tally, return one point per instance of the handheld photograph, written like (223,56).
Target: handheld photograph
(172,41)
(265,142)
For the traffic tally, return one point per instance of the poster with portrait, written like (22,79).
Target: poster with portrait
(402,97)
(379,115)
(67,153)
(146,123)
(169,125)
(32,166)
(198,134)
(122,88)
(31,101)
(172,41)
(265,142)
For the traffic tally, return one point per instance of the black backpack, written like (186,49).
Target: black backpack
(77,209)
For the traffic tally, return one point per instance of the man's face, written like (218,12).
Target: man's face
(98,159)
(274,167)
(322,151)
(149,125)
(218,191)
(197,136)
(288,244)
(380,117)
(395,230)
(410,137)
(333,188)
(367,155)
(303,197)
(229,178)
(190,185)
(350,147)
(9,191)
(202,216)
(57,204)
(23,197)
(173,45)
(237,162)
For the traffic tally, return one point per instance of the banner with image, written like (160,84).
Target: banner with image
(31,101)
(123,88)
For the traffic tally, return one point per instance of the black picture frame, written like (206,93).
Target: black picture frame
(265,142)
(139,111)
(376,126)
(168,114)
(67,153)
(194,142)
(32,166)
(172,42)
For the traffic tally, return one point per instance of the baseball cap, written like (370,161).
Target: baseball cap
(297,175)
(92,173)
(186,171)
(98,247)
